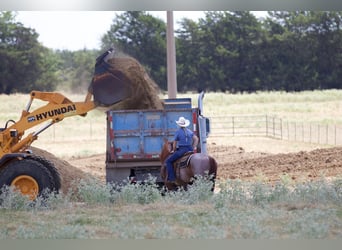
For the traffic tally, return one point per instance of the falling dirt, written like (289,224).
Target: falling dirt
(143,91)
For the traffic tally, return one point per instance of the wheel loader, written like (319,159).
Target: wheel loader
(31,174)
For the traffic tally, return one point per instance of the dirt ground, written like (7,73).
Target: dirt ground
(234,162)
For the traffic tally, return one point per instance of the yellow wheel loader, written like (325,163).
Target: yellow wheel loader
(31,174)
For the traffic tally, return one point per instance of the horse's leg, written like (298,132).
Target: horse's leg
(170,186)
(212,167)
(212,171)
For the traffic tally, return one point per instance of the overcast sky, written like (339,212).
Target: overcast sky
(75,30)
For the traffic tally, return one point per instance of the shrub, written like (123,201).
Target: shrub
(141,192)
(91,191)
(12,199)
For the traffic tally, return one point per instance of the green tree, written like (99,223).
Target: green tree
(84,62)
(326,30)
(25,64)
(76,69)
(220,51)
(188,47)
(304,46)
(236,52)
(291,51)
(143,37)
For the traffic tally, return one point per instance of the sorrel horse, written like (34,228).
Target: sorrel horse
(199,165)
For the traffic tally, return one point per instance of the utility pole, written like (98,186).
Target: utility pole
(171,57)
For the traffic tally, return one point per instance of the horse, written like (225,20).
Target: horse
(197,164)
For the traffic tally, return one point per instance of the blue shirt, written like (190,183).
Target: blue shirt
(184,137)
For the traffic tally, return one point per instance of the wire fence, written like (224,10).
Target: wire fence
(274,127)
(221,126)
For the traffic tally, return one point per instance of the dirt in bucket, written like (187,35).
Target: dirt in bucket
(143,91)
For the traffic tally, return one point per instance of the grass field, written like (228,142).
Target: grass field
(240,211)
(84,136)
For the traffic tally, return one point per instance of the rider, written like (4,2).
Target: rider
(187,141)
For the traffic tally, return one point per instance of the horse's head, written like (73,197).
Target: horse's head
(166,150)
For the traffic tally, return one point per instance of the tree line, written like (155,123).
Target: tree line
(223,51)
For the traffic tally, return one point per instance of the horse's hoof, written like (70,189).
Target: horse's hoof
(178,182)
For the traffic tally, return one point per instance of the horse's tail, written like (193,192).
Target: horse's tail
(213,170)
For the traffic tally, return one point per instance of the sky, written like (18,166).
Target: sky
(77,30)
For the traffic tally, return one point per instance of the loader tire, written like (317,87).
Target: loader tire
(29,176)
(56,178)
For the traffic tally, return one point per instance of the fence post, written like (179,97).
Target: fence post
(281,128)
(319,133)
(327,134)
(273,120)
(233,125)
(266,125)
(310,133)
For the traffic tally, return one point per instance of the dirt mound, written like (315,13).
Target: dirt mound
(300,166)
(143,91)
(69,174)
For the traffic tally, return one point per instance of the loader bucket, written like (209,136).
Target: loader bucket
(109,89)
(108,86)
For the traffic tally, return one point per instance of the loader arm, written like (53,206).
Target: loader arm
(106,89)
(57,108)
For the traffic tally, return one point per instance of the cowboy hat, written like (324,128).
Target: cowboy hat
(182,122)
